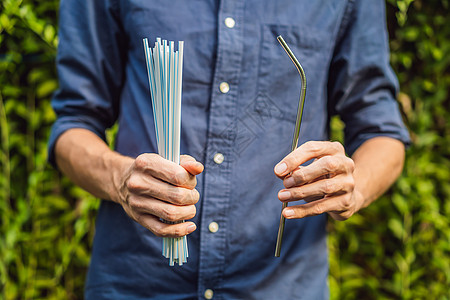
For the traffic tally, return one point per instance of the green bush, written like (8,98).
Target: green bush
(46,224)
(399,247)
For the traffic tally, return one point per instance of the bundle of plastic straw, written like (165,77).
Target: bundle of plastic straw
(165,72)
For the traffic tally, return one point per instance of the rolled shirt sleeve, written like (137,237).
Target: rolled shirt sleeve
(362,86)
(90,68)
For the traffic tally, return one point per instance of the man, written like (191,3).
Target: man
(240,95)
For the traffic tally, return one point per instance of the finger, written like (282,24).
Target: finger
(312,208)
(162,229)
(143,185)
(326,165)
(337,185)
(168,171)
(307,151)
(164,210)
(191,165)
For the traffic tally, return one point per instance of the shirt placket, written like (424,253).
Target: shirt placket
(219,149)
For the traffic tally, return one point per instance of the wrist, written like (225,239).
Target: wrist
(359,200)
(119,165)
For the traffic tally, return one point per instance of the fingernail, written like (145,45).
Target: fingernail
(280,168)
(288,212)
(289,182)
(191,228)
(284,195)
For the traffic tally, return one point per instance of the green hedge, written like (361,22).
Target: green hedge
(399,247)
(46,224)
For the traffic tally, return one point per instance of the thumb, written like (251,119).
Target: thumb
(191,165)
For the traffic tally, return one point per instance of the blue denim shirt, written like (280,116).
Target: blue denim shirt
(343,48)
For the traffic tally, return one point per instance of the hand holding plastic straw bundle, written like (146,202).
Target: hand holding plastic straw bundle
(165,72)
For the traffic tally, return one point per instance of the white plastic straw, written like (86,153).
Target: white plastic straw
(165,74)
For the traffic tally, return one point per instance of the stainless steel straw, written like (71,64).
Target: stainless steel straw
(296,132)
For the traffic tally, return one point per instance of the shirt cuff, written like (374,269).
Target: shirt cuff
(374,121)
(65,123)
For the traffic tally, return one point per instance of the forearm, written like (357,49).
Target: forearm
(378,163)
(88,162)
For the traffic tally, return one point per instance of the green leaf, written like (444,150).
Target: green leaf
(46,88)
(397,228)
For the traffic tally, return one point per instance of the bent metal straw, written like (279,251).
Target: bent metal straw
(296,131)
(165,73)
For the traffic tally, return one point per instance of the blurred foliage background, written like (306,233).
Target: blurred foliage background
(398,248)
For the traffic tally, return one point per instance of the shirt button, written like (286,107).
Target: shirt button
(218,158)
(213,227)
(224,87)
(229,22)
(209,294)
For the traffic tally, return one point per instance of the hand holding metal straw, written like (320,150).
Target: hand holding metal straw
(296,132)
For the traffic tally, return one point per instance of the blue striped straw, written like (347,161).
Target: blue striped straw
(165,69)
